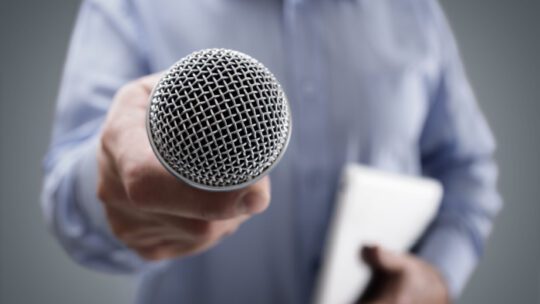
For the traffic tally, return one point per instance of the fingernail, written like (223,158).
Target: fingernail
(251,203)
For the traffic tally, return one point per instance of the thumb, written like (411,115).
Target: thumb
(382,259)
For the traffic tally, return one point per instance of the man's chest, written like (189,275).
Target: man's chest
(357,78)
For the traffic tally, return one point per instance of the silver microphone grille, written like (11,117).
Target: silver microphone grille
(218,120)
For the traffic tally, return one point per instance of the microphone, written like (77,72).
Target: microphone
(218,120)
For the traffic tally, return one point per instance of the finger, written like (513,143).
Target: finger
(149,82)
(128,224)
(172,249)
(163,250)
(257,197)
(137,92)
(383,260)
(131,225)
(184,231)
(131,107)
(150,187)
(153,238)
(201,230)
(124,136)
(222,230)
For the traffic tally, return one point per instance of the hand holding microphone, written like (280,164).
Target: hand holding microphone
(218,121)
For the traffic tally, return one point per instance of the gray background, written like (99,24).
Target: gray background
(500,43)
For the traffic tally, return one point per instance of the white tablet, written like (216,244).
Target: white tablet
(372,207)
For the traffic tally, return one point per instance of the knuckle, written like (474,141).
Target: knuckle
(203,231)
(162,252)
(102,192)
(227,197)
(106,136)
(138,196)
(256,200)
(130,93)
(231,230)
(120,231)
(264,199)
(126,89)
(148,255)
(107,139)
(133,172)
(136,182)
(218,210)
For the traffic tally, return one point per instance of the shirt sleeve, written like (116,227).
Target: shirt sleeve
(457,148)
(104,54)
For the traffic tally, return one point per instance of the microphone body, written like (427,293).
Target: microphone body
(218,120)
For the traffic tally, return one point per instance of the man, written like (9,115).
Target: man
(378,82)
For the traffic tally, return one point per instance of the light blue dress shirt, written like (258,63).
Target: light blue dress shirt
(377,82)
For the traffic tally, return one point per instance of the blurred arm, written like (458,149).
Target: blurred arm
(104,54)
(457,148)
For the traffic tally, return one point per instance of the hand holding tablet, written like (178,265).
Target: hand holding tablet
(372,207)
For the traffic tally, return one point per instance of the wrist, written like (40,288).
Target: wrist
(441,285)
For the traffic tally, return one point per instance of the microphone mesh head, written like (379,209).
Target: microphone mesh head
(218,120)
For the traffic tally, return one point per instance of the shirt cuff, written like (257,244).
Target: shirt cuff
(451,251)
(76,216)
(86,179)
